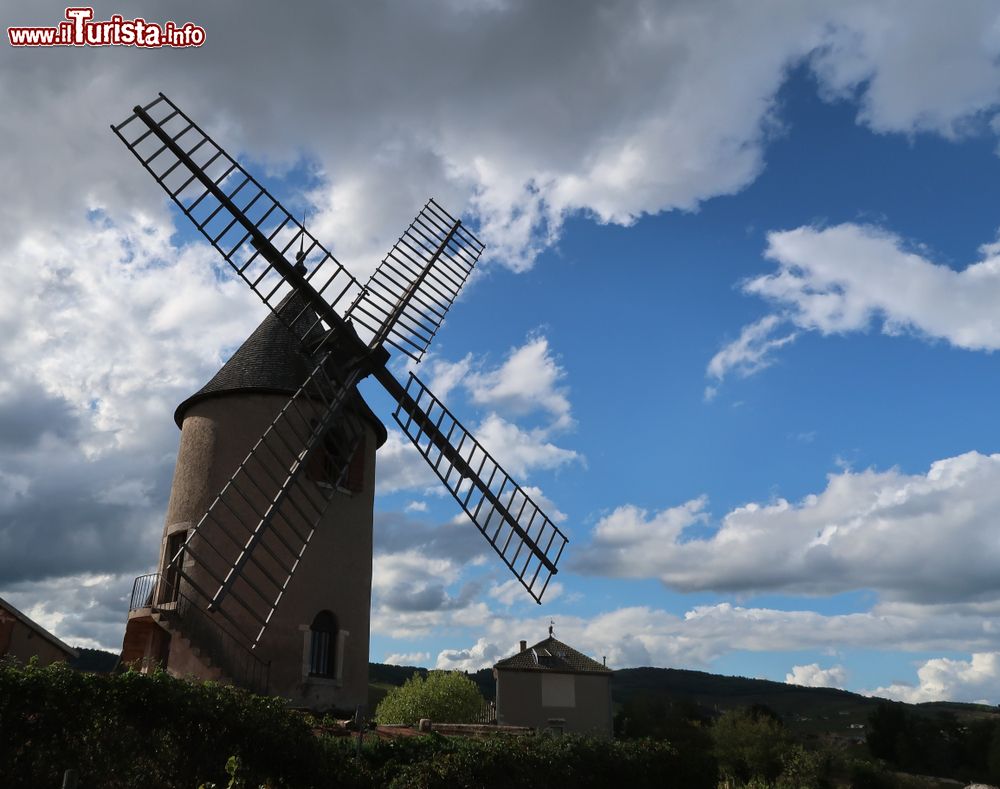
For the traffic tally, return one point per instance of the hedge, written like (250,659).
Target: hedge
(152,730)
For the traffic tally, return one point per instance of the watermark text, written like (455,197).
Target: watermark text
(80,30)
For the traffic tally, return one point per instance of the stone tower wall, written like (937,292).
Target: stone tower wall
(334,574)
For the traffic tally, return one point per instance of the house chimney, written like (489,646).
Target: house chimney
(524,645)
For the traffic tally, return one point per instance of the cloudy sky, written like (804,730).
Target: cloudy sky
(735,325)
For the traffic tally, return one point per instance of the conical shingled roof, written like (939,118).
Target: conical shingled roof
(555,656)
(271,361)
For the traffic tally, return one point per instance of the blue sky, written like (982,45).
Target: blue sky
(734,326)
(632,316)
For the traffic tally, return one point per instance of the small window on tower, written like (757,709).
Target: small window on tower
(329,468)
(171,577)
(323,645)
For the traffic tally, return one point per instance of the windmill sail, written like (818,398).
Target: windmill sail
(529,543)
(238,216)
(249,543)
(407,297)
(243,573)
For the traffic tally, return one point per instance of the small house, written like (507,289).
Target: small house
(552,687)
(23,638)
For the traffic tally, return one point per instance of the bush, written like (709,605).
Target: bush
(157,732)
(749,745)
(869,776)
(499,761)
(147,730)
(443,696)
(803,769)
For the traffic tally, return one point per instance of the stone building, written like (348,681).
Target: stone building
(314,652)
(551,686)
(23,638)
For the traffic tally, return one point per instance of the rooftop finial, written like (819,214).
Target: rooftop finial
(552,623)
(300,256)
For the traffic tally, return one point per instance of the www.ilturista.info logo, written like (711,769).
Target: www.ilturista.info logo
(79,30)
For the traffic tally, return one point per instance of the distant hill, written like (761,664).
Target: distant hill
(805,709)
(711,689)
(96,661)
(787,700)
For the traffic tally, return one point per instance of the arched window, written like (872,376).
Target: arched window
(323,645)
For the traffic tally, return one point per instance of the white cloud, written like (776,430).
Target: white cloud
(482,654)
(546,504)
(70,299)
(651,636)
(442,376)
(85,610)
(416,506)
(401,466)
(840,279)
(388,621)
(893,68)
(845,278)
(750,352)
(407,658)
(912,537)
(696,638)
(41,613)
(628,132)
(943,679)
(412,581)
(528,380)
(520,451)
(812,676)
(511,591)
(103,336)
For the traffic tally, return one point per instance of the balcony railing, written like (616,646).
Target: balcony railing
(143,591)
(158,594)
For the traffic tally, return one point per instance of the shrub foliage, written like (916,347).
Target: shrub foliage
(442,696)
(148,730)
(138,730)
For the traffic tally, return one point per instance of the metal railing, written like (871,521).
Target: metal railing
(143,591)
(487,713)
(194,623)
(226,651)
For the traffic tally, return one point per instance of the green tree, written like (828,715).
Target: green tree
(749,746)
(888,728)
(993,755)
(443,696)
(803,769)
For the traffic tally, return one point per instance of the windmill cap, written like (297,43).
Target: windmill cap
(270,361)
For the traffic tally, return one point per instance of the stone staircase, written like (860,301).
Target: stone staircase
(180,633)
(172,623)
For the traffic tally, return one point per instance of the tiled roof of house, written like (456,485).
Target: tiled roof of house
(271,361)
(31,623)
(552,655)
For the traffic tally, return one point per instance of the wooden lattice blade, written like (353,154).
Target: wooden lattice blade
(524,537)
(406,299)
(248,545)
(257,237)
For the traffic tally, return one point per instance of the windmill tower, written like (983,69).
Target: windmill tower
(321,629)
(278,451)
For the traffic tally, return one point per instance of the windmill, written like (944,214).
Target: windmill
(237,580)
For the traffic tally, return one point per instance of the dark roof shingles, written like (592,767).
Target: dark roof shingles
(271,360)
(553,655)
